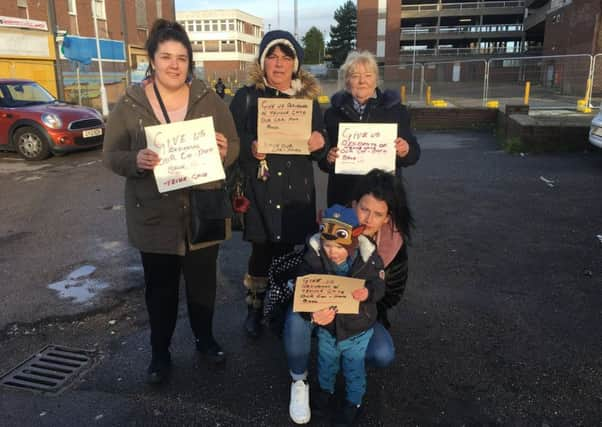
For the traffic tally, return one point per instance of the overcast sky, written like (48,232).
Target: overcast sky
(318,13)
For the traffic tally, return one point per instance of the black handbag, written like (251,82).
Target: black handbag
(209,210)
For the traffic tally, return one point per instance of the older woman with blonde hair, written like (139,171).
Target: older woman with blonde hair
(363,102)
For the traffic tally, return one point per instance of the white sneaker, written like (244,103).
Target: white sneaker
(298,408)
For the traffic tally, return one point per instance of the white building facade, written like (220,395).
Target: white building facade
(224,41)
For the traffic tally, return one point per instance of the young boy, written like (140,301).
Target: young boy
(341,249)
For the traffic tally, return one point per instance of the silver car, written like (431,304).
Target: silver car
(595,130)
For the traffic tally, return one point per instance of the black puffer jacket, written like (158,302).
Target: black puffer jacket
(396,276)
(385,108)
(367,266)
(283,208)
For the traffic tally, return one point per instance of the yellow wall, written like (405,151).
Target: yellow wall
(40,70)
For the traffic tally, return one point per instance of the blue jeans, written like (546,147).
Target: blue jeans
(297,345)
(351,354)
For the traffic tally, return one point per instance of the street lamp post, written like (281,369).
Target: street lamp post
(413,59)
(103,90)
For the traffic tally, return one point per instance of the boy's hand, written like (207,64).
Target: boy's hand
(323,317)
(360,294)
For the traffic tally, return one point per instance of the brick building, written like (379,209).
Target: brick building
(566,26)
(399,31)
(122,29)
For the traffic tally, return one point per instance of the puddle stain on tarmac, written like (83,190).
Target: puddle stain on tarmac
(78,286)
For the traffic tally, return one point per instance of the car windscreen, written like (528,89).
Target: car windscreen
(23,94)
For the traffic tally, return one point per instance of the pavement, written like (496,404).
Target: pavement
(500,324)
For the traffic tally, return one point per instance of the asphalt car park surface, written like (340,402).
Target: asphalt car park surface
(499,325)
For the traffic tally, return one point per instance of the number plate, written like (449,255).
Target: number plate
(92,132)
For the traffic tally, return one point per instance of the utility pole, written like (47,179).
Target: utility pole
(296,21)
(124,29)
(58,66)
(103,90)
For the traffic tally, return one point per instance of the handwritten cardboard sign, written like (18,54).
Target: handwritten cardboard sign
(317,291)
(365,146)
(283,125)
(188,153)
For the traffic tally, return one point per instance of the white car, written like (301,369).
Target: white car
(595,130)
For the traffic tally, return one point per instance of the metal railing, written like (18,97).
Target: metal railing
(461,51)
(461,6)
(478,29)
(555,81)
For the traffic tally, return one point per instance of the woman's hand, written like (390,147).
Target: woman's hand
(257,155)
(147,159)
(316,141)
(222,144)
(402,147)
(323,317)
(360,294)
(332,155)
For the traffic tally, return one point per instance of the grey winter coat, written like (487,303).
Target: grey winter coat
(159,222)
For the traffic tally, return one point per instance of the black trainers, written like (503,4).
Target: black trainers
(348,415)
(159,368)
(212,352)
(322,403)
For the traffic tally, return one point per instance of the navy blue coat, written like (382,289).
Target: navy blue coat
(385,108)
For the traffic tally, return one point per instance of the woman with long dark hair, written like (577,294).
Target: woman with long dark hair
(158,223)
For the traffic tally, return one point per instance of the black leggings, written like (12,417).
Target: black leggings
(162,279)
(262,255)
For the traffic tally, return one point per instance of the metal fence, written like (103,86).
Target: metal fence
(555,82)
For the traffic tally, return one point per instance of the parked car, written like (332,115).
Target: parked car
(36,124)
(595,130)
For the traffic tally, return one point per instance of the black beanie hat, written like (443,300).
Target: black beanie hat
(274,37)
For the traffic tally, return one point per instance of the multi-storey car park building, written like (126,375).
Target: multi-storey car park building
(224,42)
(400,30)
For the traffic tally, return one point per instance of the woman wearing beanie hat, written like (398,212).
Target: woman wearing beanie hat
(280,187)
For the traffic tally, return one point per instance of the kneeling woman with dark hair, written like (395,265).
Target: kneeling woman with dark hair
(381,205)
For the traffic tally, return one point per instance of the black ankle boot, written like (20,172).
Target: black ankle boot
(253,325)
(159,368)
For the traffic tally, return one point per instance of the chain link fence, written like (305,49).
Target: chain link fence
(551,82)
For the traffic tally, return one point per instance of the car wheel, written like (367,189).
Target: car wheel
(31,143)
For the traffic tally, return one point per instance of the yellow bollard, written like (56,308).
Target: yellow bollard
(428,95)
(402,94)
(323,99)
(527,91)
(582,106)
(588,90)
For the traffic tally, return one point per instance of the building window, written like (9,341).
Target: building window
(222,25)
(214,26)
(99,9)
(211,45)
(228,46)
(231,25)
(72,7)
(207,26)
(159,9)
(380,48)
(141,14)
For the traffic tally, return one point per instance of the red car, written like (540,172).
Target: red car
(36,124)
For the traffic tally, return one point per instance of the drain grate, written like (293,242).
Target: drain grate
(50,370)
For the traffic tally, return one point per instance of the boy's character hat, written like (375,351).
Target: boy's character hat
(341,225)
(275,37)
